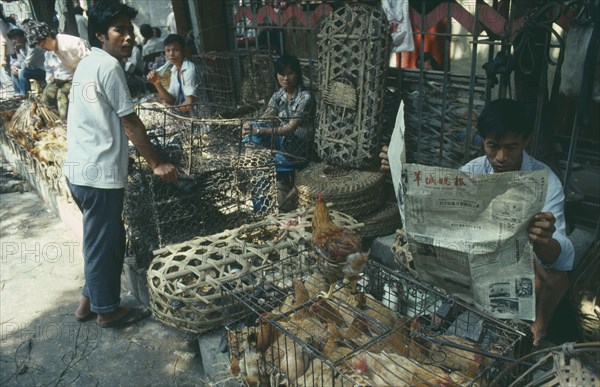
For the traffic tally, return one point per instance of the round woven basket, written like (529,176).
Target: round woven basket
(352,192)
(383,221)
(184,279)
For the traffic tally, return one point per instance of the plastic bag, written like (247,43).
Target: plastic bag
(400,27)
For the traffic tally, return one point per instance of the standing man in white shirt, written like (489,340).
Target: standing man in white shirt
(100,123)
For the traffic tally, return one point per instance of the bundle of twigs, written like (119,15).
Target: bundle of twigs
(31,117)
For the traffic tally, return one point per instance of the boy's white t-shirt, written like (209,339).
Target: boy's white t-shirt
(97,154)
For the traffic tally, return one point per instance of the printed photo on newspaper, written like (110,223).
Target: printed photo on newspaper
(467,234)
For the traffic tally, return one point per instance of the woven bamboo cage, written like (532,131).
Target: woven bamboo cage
(185,279)
(353,45)
(585,294)
(351,191)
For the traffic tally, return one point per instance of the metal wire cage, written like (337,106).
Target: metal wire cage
(233,79)
(223,184)
(395,329)
(437,117)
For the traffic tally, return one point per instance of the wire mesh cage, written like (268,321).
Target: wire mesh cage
(437,118)
(395,330)
(233,79)
(224,183)
(354,48)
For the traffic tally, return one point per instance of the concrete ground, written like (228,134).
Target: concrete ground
(41,343)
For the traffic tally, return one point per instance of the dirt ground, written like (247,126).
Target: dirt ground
(41,343)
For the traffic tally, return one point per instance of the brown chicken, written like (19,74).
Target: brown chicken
(327,313)
(386,369)
(339,250)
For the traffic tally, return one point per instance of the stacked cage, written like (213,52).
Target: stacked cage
(394,331)
(223,183)
(229,80)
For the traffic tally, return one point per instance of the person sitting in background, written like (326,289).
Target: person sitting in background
(183,89)
(506,130)
(134,72)
(294,106)
(135,63)
(81,22)
(28,65)
(156,32)
(151,44)
(58,84)
(67,48)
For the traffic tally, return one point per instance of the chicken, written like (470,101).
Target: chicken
(339,250)
(249,363)
(326,312)
(398,340)
(267,332)
(419,346)
(333,351)
(387,369)
(372,308)
(467,362)
(301,297)
(315,284)
(287,357)
(320,373)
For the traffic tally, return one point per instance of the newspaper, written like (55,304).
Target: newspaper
(467,233)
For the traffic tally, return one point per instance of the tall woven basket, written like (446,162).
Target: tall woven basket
(353,45)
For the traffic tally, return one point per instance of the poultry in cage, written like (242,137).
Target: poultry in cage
(339,250)
(385,367)
(276,351)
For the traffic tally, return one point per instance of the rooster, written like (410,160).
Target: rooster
(339,250)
